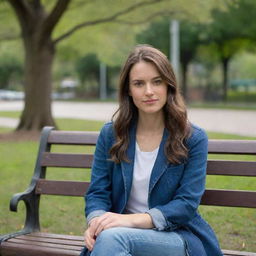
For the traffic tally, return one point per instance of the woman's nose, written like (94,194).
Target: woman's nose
(149,89)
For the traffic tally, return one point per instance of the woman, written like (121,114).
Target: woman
(149,170)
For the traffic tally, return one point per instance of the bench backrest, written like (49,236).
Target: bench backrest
(46,158)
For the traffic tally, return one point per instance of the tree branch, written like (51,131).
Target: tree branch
(111,18)
(55,15)
(147,19)
(23,11)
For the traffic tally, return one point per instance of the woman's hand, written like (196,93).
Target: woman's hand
(89,238)
(110,220)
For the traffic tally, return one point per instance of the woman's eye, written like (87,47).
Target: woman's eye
(138,83)
(158,82)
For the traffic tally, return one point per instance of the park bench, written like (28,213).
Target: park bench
(30,241)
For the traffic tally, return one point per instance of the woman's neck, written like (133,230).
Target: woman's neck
(149,132)
(150,123)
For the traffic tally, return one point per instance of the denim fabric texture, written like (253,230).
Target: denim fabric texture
(138,242)
(175,190)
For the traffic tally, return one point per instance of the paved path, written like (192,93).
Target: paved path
(227,121)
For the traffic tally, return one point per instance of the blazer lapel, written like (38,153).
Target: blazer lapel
(159,168)
(161,163)
(127,167)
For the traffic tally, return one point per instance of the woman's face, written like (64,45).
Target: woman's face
(147,88)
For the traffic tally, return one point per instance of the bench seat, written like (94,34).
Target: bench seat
(39,243)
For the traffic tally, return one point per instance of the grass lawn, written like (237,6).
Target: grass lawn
(4,129)
(235,227)
(11,114)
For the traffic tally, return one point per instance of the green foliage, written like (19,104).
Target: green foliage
(10,69)
(67,53)
(88,67)
(106,39)
(227,29)
(190,40)
(224,37)
(240,14)
(113,73)
(9,28)
(158,35)
(243,66)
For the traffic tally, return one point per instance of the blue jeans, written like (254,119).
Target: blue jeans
(121,241)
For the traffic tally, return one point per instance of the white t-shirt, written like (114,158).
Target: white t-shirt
(143,165)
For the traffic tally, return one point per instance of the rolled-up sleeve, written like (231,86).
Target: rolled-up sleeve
(158,218)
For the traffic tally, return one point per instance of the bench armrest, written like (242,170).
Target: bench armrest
(24,196)
(31,201)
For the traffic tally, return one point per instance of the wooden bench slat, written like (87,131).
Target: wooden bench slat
(232,147)
(232,198)
(44,244)
(65,188)
(49,244)
(233,168)
(66,160)
(15,249)
(73,137)
(54,240)
(58,236)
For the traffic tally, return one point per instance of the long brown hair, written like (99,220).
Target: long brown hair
(175,113)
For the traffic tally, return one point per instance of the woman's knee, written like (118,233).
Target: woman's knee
(110,242)
(110,236)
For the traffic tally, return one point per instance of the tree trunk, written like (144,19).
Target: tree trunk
(225,62)
(38,84)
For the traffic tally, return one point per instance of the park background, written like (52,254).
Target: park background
(73,51)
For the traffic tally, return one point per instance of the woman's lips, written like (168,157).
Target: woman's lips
(151,101)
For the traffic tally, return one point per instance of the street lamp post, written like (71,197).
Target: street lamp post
(103,81)
(175,46)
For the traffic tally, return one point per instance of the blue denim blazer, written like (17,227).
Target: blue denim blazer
(175,190)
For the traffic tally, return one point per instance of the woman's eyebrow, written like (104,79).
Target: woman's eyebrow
(136,80)
(157,77)
(139,80)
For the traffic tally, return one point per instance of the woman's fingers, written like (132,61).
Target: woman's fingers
(89,239)
(110,220)
(106,221)
(101,222)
